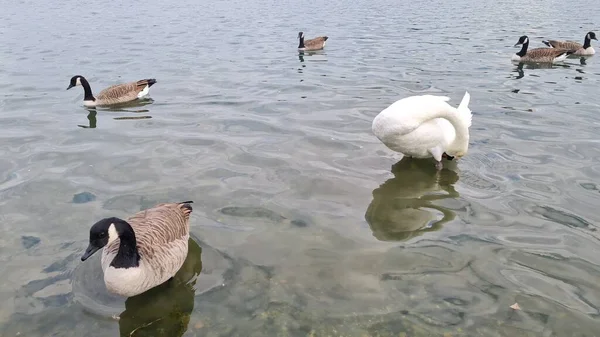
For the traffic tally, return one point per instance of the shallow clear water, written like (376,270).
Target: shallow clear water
(307,225)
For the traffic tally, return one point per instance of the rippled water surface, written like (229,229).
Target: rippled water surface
(304,224)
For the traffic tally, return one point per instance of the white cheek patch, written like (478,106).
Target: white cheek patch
(144,92)
(78,82)
(526,40)
(112,233)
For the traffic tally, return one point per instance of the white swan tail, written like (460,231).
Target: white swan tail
(464,111)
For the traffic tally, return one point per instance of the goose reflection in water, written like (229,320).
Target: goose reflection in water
(404,206)
(521,73)
(92,120)
(318,55)
(164,310)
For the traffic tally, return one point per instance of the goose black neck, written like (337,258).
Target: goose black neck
(128,256)
(88,96)
(301,45)
(523,49)
(588,42)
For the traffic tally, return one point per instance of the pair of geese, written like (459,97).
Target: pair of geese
(558,51)
(127,92)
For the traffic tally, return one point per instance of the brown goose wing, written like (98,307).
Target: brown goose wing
(316,42)
(539,53)
(160,226)
(571,45)
(121,93)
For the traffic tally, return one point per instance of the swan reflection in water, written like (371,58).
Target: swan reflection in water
(124,107)
(164,310)
(404,206)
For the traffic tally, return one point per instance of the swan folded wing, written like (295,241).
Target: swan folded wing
(406,115)
(569,45)
(121,93)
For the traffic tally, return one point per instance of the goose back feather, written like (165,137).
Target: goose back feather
(122,93)
(563,44)
(545,55)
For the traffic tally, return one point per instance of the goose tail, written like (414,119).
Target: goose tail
(185,205)
(463,109)
(325,38)
(150,81)
(547,43)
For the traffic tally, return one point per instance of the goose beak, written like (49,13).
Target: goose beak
(517,44)
(70,86)
(89,252)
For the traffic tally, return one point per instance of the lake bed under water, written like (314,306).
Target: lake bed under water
(304,224)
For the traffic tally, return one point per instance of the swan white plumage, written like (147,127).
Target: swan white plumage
(425,126)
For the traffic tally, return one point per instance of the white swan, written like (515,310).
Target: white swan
(425,126)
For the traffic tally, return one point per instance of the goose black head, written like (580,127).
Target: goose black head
(102,233)
(592,36)
(300,35)
(522,40)
(75,81)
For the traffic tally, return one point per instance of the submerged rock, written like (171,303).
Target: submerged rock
(29,241)
(83,197)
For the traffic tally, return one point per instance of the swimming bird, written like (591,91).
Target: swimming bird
(143,251)
(539,55)
(580,50)
(313,44)
(116,94)
(425,126)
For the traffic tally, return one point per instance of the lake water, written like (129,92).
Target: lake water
(304,223)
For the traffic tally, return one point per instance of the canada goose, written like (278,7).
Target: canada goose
(425,126)
(580,50)
(540,55)
(116,94)
(312,44)
(144,251)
